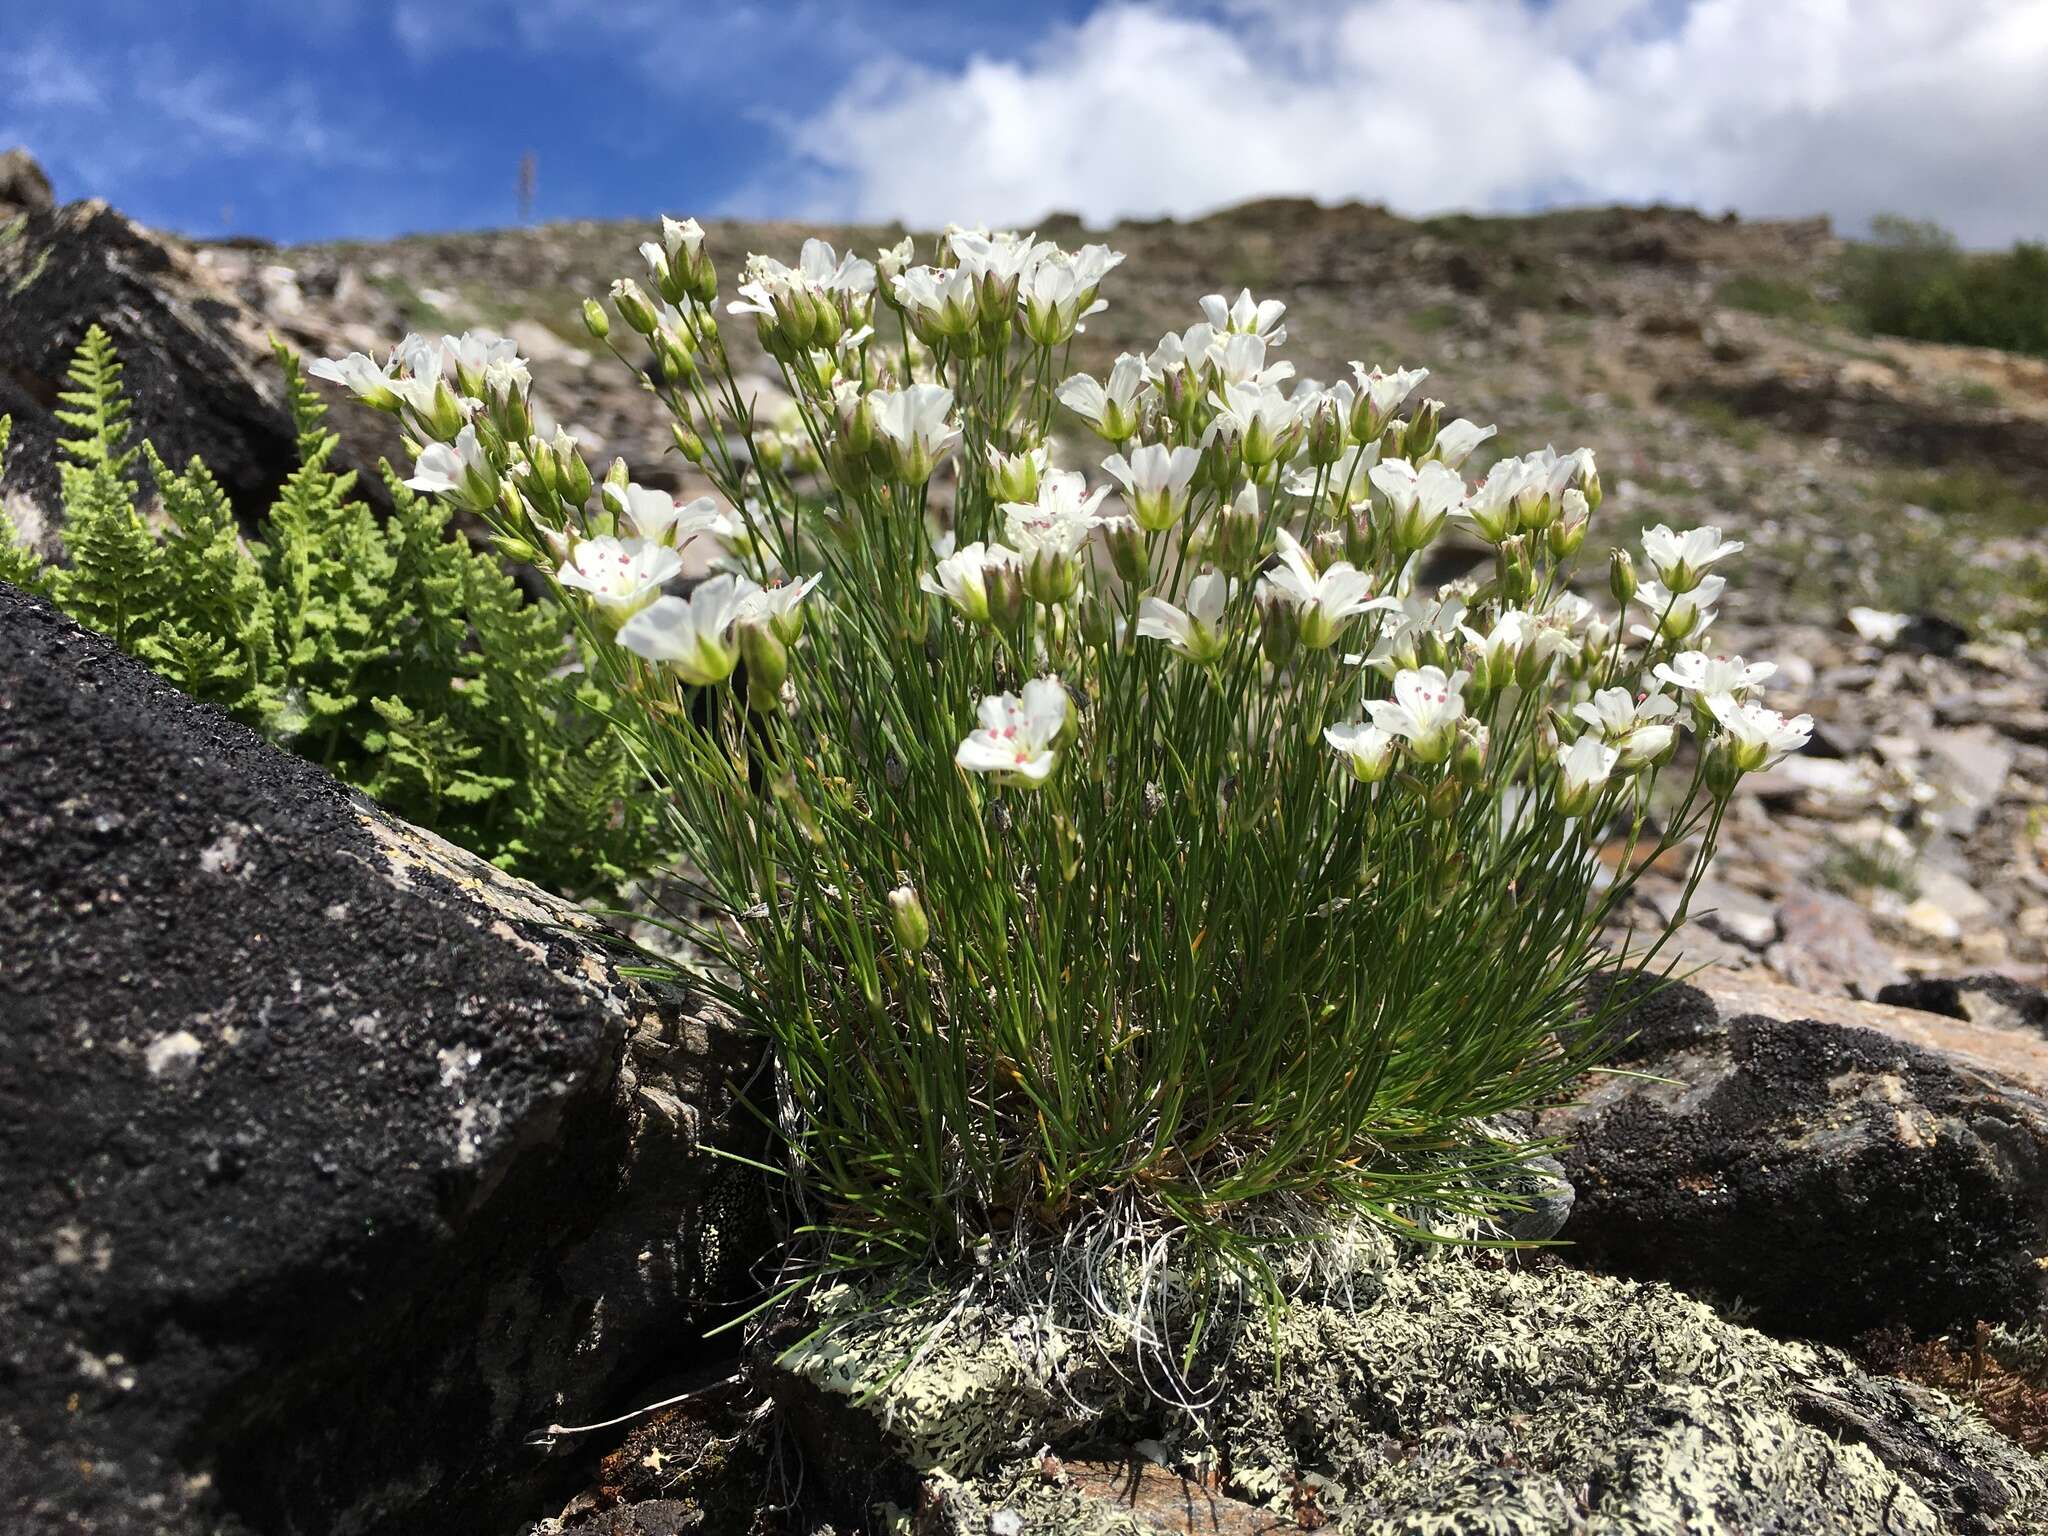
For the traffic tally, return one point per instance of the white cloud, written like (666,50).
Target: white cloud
(1776,107)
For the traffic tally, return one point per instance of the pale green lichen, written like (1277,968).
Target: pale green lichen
(1461,1399)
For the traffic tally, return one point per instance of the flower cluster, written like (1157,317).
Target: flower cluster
(1084,745)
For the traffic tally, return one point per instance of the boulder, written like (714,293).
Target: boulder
(1449,1394)
(335,1165)
(196,359)
(1994,1001)
(24,186)
(1834,1166)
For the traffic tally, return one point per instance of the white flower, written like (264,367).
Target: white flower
(693,635)
(1324,601)
(622,576)
(1640,729)
(485,364)
(1418,500)
(1454,443)
(1049,532)
(460,469)
(961,578)
(1247,317)
(1379,396)
(1196,632)
(360,376)
(1492,507)
(1758,737)
(684,238)
(939,304)
(1111,410)
(1582,768)
(1877,626)
(1697,673)
(1678,615)
(1018,739)
(1239,358)
(1681,559)
(1560,472)
(779,605)
(1369,749)
(1155,481)
(1425,711)
(1425,618)
(1259,417)
(1050,297)
(914,421)
(1060,520)
(655,516)
(1517,639)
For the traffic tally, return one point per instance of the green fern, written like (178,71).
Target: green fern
(116,581)
(217,642)
(331,567)
(394,652)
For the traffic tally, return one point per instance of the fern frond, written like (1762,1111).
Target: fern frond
(98,407)
(217,640)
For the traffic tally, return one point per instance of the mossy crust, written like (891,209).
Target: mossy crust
(1456,1397)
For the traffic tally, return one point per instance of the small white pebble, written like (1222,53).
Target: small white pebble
(179,1049)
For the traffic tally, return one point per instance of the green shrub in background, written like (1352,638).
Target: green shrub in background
(390,652)
(1913,280)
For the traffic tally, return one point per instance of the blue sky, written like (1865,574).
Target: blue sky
(303,119)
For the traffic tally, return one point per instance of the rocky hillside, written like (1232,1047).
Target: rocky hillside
(1701,358)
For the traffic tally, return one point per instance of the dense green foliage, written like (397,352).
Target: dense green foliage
(391,652)
(1912,279)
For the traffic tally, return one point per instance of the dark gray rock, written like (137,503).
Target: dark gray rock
(24,186)
(1834,1178)
(197,360)
(1996,1001)
(334,1164)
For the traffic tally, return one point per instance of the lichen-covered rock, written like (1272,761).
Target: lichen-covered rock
(1833,1177)
(334,1164)
(1457,1396)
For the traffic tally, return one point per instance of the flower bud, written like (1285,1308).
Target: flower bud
(1723,768)
(1468,758)
(1234,535)
(1005,585)
(1621,576)
(1394,440)
(1513,569)
(767,660)
(909,926)
(1097,625)
(1327,437)
(1014,476)
(633,307)
(1569,531)
(573,474)
(1127,553)
(1328,547)
(1051,578)
(1279,629)
(1422,430)
(1361,542)
(1443,799)
(688,443)
(595,320)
